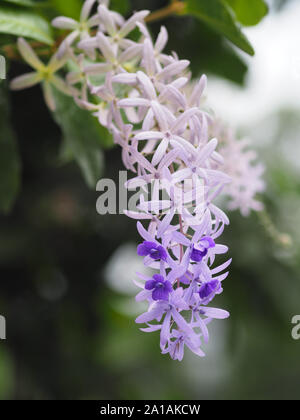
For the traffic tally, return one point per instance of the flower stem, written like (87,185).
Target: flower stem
(181,246)
(175,7)
(11,51)
(181,230)
(280,238)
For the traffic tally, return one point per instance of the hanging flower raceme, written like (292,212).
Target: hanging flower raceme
(242,166)
(140,94)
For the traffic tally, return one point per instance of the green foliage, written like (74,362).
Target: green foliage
(6,39)
(84,138)
(247,12)
(9,157)
(25,3)
(70,8)
(216,14)
(120,6)
(22,22)
(6,374)
(206,50)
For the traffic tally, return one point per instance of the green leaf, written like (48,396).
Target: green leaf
(120,6)
(25,3)
(9,157)
(248,13)
(195,37)
(84,138)
(24,23)
(7,373)
(70,8)
(218,15)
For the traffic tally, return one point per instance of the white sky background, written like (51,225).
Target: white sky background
(273,80)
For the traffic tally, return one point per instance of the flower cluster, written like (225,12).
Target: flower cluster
(140,94)
(240,163)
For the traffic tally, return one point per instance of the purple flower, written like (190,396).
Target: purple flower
(155,251)
(240,163)
(209,288)
(176,347)
(161,287)
(149,105)
(204,244)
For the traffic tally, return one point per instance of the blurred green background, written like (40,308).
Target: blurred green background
(66,273)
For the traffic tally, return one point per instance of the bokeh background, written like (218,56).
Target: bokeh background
(66,273)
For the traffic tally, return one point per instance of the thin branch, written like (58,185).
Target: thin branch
(174,8)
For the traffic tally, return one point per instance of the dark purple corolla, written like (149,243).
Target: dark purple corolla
(209,288)
(161,287)
(155,251)
(200,252)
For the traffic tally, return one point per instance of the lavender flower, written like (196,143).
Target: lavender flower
(240,163)
(156,252)
(161,287)
(45,74)
(204,244)
(78,29)
(207,289)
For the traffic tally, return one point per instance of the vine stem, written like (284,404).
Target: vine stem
(280,238)
(181,246)
(181,230)
(11,50)
(175,7)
